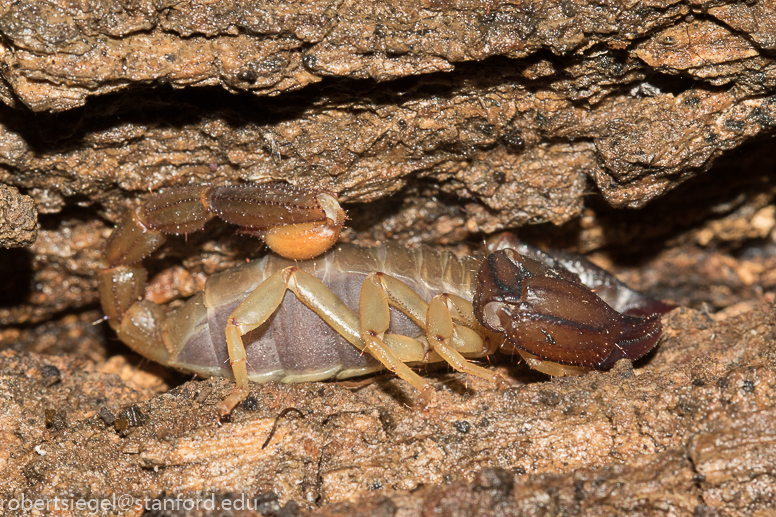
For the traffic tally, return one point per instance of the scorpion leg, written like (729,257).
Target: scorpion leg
(446,338)
(441,331)
(259,306)
(550,368)
(375,318)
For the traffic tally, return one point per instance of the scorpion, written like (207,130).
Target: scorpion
(403,307)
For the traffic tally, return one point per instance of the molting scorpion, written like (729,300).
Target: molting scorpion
(404,307)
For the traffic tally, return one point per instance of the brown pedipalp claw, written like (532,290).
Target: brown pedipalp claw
(638,335)
(550,315)
(499,282)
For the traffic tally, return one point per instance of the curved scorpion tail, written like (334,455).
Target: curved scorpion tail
(137,322)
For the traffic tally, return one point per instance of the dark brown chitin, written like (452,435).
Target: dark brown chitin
(261,206)
(550,313)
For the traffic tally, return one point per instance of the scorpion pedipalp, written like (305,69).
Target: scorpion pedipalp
(554,318)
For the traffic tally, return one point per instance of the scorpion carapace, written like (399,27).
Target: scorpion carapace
(404,307)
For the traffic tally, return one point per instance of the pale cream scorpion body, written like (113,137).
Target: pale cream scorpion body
(413,306)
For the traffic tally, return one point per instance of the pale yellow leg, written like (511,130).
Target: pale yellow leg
(550,368)
(466,340)
(410,350)
(441,330)
(401,296)
(262,303)
(446,338)
(265,300)
(365,331)
(374,319)
(471,341)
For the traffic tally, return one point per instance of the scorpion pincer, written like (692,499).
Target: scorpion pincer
(405,307)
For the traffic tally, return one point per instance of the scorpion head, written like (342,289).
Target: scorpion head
(550,314)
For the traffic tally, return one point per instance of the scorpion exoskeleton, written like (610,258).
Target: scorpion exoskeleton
(405,307)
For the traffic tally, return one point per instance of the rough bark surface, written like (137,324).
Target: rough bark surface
(437,123)
(688,432)
(18,219)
